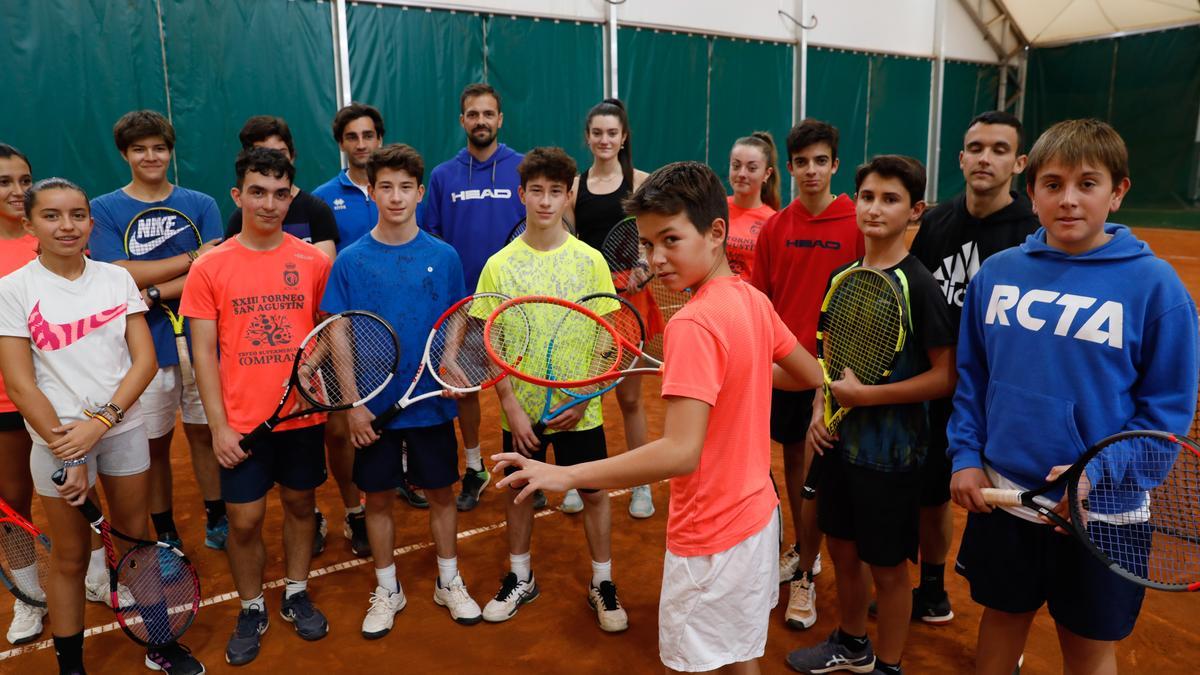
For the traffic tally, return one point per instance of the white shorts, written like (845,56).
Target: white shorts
(163,397)
(715,609)
(126,454)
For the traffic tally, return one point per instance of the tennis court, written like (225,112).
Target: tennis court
(557,632)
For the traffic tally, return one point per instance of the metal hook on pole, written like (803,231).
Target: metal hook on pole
(808,26)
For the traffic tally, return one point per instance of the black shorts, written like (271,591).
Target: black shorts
(877,510)
(12,421)
(935,472)
(570,447)
(791,411)
(295,459)
(1014,565)
(432,459)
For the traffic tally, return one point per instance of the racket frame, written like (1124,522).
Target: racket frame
(9,516)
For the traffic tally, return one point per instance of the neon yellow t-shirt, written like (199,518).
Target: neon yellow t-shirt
(570,271)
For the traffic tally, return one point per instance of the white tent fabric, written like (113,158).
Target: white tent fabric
(1051,21)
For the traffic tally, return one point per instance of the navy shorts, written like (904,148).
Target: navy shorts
(935,472)
(791,412)
(12,421)
(432,459)
(877,510)
(1016,566)
(570,447)
(294,459)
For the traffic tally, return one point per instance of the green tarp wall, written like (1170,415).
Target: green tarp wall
(968,89)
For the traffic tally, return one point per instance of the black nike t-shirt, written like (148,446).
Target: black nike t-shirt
(308,218)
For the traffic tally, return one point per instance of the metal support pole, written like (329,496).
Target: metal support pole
(610,52)
(936,91)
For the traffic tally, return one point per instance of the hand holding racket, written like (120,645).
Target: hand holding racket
(161,580)
(1133,501)
(622,250)
(860,331)
(24,557)
(345,361)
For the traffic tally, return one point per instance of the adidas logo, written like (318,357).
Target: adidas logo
(956,271)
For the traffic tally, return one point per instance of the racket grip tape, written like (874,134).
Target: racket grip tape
(998,497)
(384,417)
(89,510)
(254,437)
(539,428)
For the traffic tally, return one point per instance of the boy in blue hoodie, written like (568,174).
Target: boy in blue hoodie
(472,204)
(1079,333)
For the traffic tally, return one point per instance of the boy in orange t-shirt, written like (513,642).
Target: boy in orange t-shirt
(252,300)
(722,531)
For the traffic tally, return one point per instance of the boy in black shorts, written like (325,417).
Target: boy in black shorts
(870,481)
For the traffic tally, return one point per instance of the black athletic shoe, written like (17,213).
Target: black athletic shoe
(409,494)
(356,531)
(173,659)
(320,527)
(473,484)
(934,610)
(539,500)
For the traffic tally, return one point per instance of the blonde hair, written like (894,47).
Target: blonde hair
(1072,142)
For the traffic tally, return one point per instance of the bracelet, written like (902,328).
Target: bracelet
(116,409)
(192,255)
(68,463)
(102,416)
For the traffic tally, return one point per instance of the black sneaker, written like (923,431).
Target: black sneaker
(299,611)
(320,527)
(473,484)
(355,530)
(932,609)
(173,659)
(410,495)
(243,645)
(539,500)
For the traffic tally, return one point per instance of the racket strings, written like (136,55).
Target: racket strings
(861,327)
(580,348)
(457,357)
(625,321)
(348,359)
(165,592)
(510,335)
(1140,501)
(25,560)
(666,303)
(622,250)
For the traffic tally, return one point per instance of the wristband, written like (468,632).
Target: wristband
(192,255)
(80,461)
(116,410)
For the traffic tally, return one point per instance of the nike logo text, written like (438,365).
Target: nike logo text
(51,336)
(153,231)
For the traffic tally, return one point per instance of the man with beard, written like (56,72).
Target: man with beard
(472,204)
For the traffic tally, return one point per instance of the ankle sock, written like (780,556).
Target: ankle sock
(854,644)
(520,565)
(214,511)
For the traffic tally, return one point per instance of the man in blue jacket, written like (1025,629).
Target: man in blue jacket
(472,204)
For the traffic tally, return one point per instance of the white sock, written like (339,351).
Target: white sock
(26,578)
(447,570)
(601,571)
(474,460)
(521,566)
(258,603)
(386,578)
(355,509)
(95,568)
(293,587)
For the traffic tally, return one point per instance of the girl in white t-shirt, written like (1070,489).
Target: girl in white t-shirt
(76,355)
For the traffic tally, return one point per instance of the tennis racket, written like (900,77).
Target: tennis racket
(1134,501)
(861,327)
(622,250)
(24,557)
(345,361)
(570,346)
(622,316)
(454,353)
(158,233)
(159,577)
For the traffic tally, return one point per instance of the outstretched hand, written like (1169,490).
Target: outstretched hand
(530,475)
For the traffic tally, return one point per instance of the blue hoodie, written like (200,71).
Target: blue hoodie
(473,206)
(1058,351)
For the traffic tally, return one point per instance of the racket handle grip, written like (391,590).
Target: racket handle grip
(998,497)
(254,437)
(539,428)
(384,417)
(89,510)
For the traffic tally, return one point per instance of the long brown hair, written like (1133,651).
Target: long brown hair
(764,142)
(615,108)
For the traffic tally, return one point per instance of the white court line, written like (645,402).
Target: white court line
(337,567)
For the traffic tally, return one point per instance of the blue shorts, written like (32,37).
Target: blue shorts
(294,459)
(570,447)
(1016,566)
(432,459)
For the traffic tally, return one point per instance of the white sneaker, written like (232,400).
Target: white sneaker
(97,590)
(789,564)
(572,502)
(26,623)
(816,565)
(609,612)
(455,598)
(512,594)
(385,605)
(641,503)
(802,604)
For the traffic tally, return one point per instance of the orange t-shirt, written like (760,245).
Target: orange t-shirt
(744,226)
(264,303)
(720,349)
(14,254)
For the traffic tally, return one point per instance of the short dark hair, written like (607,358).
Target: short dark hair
(809,132)
(50,184)
(477,89)
(681,187)
(1000,117)
(910,172)
(261,127)
(1072,142)
(7,152)
(396,156)
(267,161)
(550,163)
(139,124)
(352,112)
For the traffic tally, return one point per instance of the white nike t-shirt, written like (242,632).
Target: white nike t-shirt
(76,330)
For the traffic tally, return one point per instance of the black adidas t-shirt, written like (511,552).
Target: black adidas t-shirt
(308,218)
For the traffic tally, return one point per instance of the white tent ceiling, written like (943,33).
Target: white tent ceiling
(1050,21)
